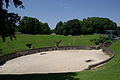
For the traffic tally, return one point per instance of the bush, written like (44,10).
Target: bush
(101,39)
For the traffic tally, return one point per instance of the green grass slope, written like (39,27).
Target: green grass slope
(39,41)
(110,71)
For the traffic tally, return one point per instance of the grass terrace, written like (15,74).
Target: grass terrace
(110,71)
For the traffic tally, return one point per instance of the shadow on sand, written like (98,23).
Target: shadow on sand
(53,76)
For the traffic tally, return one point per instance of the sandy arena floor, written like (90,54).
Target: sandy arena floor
(53,62)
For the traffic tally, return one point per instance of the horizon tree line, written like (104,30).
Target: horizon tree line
(10,23)
(90,25)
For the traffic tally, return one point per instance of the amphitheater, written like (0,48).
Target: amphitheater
(62,59)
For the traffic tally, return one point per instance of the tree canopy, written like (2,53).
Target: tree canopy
(99,25)
(118,31)
(86,26)
(72,27)
(8,20)
(31,25)
(59,28)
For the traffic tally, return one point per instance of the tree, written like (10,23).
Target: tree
(46,28)
(74,27)
(118,31)
(71,27)
(8,20)
(86,26)
(31,25)
(59,28)
(99,25)
(65,29)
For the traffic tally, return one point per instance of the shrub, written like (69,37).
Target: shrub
(101,39)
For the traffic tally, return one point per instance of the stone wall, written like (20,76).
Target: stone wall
(107,51)
(16,54)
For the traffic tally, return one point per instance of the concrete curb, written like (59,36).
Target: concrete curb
(107,51)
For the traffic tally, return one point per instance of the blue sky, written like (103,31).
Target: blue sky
(53,11)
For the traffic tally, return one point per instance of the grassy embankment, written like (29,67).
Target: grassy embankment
(39,41)
(110,71)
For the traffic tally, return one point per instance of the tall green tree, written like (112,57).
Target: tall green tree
(8,20)
(99,25)
(46,28)
(118,31)
(59,28)
(86,26)
(71,27)
(74,27)
(31,25)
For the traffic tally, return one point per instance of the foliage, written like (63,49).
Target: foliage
(100,40)
(59,28)
(53,31)
(8,20)
(99,25)
(86,26)
(0,50)
(71,27)
(46,29)
(31,25)
(118,31)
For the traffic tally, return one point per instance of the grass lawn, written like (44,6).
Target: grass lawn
(39,41)
(110,71)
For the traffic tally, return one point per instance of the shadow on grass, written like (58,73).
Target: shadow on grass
(57,76)
(1,50)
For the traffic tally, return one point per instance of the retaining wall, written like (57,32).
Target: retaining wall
(107,51)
